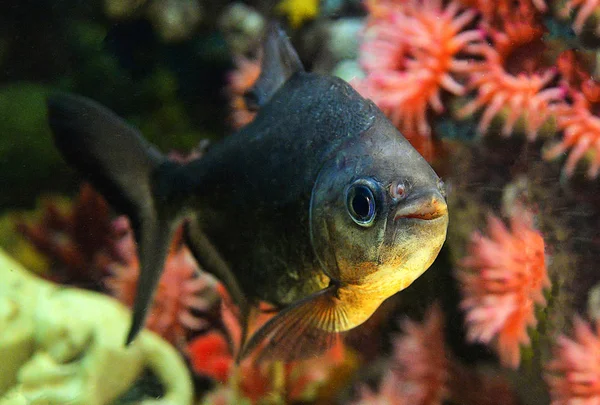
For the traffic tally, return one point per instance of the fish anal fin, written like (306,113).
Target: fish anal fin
(279,62)
(307,328)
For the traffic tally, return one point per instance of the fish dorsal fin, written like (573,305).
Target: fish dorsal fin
(306,328)
(279,62)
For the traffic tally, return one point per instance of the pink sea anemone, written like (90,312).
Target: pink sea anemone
(581,134)
(502,279)
(419,371)
(526,95)
(411,56)
(183,292)
(574,373)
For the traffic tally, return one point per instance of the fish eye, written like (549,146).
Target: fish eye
(360,203)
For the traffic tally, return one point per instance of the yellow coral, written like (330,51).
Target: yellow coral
(298,11)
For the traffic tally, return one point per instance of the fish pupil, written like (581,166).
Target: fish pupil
(361,204)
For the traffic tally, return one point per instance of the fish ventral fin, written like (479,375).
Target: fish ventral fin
(279,62)
(122,166)
(302,330)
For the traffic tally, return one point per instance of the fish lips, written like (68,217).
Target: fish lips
(428,206)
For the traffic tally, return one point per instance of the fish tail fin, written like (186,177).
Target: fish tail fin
(123,166)
(305,329)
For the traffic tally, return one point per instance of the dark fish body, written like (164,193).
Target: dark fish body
(254,189)
(319,205)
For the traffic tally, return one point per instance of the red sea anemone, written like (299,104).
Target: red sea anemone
(411,55)
(574,374)
(502,279)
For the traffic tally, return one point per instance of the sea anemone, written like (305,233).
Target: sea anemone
(419,371)
(586,8)
(502,279)
(491,9)
(411,55)
(525,95)
(183,294)
(581,134)
(574,373)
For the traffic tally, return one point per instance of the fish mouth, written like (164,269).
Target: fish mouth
(424,207)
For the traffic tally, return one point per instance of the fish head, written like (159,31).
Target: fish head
(378,212)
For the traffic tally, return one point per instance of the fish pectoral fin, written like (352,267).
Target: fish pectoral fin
(306,328)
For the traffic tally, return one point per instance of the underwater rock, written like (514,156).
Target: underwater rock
(63,345)
(332,41)
(242,27)
(174,20)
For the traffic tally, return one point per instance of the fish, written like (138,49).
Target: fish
(319,206)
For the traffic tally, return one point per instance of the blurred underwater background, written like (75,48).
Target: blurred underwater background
(502,97)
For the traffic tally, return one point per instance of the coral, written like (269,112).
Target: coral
(240,81)
(184,292)
(411,57)
(65,345)
(502,278)
(298,11)
(573,375)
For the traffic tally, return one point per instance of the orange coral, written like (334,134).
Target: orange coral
(574,374)
(240,81)
(410,54)
(581,134)
(182,292)
(501,280)
(524,95)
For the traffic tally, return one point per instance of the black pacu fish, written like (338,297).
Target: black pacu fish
(319,206)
